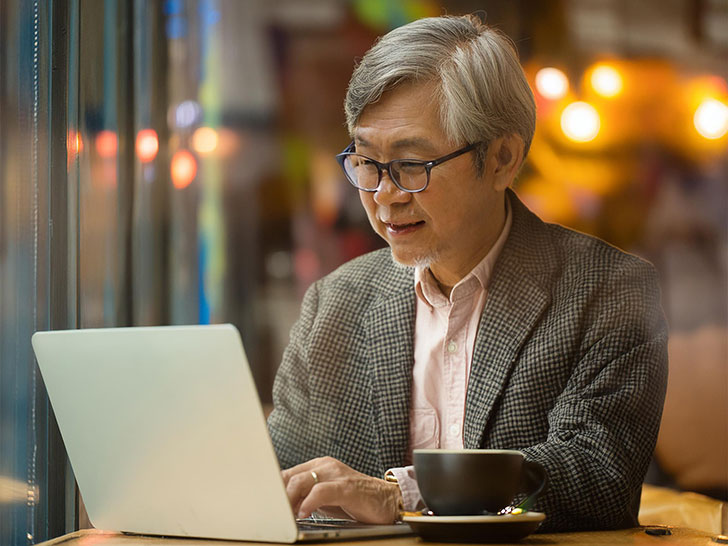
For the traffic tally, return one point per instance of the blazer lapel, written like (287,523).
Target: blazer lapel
(390,323)
(516,299)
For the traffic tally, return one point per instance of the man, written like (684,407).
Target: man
(481,326)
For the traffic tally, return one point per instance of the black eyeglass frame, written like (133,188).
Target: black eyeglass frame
(381,167)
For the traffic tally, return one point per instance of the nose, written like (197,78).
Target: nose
(388,193)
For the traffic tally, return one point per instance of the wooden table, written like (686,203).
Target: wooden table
(636,537)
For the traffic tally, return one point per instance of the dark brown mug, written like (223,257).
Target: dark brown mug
(476,481)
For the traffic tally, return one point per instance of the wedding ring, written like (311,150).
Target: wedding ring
(315,477)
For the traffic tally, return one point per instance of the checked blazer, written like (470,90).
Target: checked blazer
(569,366)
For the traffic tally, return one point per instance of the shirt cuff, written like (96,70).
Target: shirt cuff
(407,481)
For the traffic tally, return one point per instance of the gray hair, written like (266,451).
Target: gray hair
(481,88)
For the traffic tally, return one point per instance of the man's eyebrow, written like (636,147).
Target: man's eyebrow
(414,142)
(358,140)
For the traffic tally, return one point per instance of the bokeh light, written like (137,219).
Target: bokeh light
(147,145)
(711,119)
(74,143)
(580,122)
(107,144)
(204,140)
(183,168)
(551,83)
(185,114)
(607,81)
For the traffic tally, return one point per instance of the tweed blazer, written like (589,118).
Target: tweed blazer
(569,366)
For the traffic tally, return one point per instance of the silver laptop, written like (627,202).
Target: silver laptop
(166,435)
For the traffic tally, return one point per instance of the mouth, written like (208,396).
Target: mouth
(401,228)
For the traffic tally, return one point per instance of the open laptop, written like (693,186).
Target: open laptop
(166,435)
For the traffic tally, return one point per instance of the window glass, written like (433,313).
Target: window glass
(34,278)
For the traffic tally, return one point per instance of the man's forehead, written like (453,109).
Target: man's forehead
(362,139)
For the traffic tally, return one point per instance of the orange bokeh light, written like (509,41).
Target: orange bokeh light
(580,122)
(74,143)
(183,169)
(107,143)
(552,83)
(147,145)
(606,80)
(711,119)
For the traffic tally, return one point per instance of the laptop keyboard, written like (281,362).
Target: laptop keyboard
(318,523)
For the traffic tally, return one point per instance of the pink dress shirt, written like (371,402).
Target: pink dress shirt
(445,330)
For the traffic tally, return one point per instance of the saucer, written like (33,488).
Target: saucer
(481,529)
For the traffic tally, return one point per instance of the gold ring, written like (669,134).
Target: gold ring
(315,477)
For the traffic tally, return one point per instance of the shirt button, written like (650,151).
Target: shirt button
(452,347)
(454,429)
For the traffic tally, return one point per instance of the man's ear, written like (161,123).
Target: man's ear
(505,158)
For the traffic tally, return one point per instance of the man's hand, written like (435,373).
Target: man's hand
(361,497)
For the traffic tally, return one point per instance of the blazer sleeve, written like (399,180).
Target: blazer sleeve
(603,426)
(288,423)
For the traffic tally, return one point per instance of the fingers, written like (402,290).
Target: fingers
(317,465)
(326,482)
(298,469)
(298,487)
(301,479)
(320,495)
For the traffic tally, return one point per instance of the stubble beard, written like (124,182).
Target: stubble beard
(418,262)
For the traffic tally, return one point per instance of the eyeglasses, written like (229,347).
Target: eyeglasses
(410,175)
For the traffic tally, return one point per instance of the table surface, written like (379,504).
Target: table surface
(636,537)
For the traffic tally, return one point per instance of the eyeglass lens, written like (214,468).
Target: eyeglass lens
(365,174)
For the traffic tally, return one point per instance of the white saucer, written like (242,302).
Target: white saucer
(505,528)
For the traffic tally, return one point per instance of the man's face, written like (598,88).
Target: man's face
(453,223)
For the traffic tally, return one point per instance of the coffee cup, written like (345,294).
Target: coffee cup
(476,481)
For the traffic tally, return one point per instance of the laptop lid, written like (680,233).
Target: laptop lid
(165,432)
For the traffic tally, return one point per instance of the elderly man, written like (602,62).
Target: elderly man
(481,326)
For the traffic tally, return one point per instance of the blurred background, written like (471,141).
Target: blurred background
(172,162)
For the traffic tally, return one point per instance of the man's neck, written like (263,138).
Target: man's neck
(447,277)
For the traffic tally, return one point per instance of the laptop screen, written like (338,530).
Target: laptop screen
(165,432)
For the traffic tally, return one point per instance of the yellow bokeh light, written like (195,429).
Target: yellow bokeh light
(711,119)
(580,122)
(204,140)
(607,81)
(551,83)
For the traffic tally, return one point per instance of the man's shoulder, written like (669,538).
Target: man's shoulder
(546,249)
(372,273)
(588,254)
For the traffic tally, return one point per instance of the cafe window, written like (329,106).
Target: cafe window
(37,274)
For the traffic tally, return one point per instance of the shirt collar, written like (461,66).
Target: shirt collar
(429,292)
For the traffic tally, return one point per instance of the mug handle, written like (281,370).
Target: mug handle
(533,480)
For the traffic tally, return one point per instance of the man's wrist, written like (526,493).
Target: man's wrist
(407,482)
(398,502)
(392,480)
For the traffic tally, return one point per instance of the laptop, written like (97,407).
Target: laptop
(166,435)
